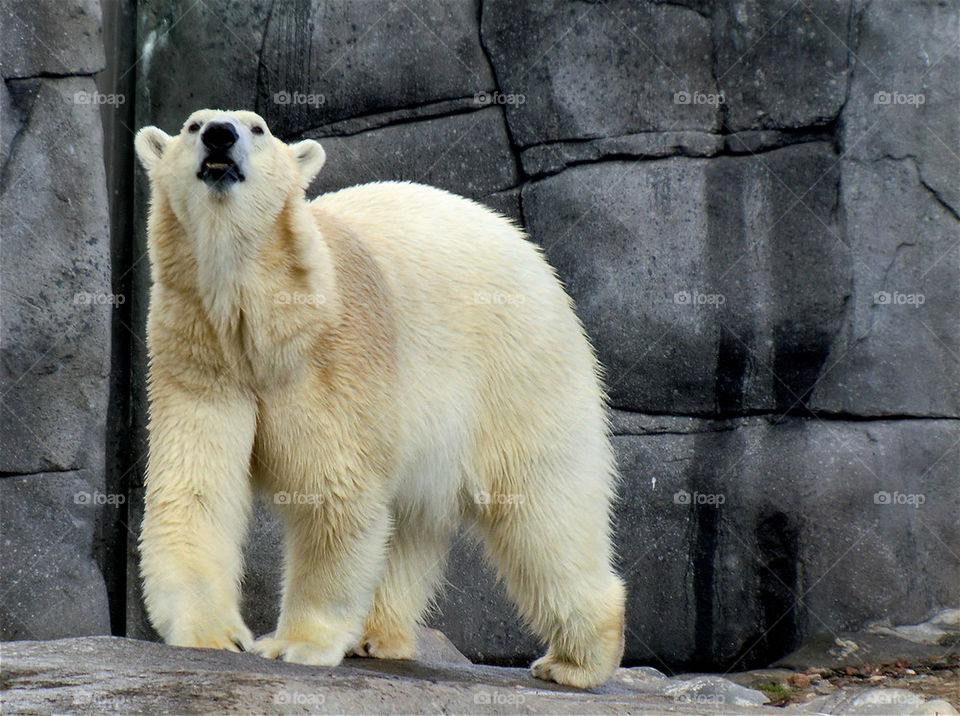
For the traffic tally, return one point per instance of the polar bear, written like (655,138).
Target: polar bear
(387,361)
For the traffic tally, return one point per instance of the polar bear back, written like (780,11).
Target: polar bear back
(489,344)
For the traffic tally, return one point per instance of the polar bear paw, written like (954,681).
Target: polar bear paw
(550,668)
(297,652)
(383,646)
(215,634)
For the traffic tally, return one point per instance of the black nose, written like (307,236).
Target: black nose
(219,135)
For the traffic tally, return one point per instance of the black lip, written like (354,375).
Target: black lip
(219,170)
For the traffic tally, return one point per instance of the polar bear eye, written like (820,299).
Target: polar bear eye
(194,127)
(256,129)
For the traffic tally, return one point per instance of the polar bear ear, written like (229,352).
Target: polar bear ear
(310,158)
(149,145)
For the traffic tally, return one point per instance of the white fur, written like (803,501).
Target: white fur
(438,360)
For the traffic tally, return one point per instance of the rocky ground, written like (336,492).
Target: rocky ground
(96,675)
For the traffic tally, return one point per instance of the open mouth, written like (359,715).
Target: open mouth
(219,171)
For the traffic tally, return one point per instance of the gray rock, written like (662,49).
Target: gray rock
(764,531)
(433,647)
(467,153)
(942,628)
(55,271)
(305,65)
(176,74)
(834,650)
(473,610)
(551,158)
(701,305)
(53,38)
(112,675)
(903,96)
(50,584)
(713,690)
(588,70)
(881,702)
(357,59)
(904,309)
(780,63)
(935,707)
(752,141)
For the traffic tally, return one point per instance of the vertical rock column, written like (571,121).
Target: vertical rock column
(55,309)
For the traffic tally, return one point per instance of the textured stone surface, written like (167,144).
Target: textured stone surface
(54,322)
(54,267)
(904,94)
(585,70)
(827,650)
(98,675)
(467,153)
(49,582)
(825,512)
(55,38)
(476,614)
(302,64)
(551,158)
(875,702)
(705,285)
(904,307)
(781,63)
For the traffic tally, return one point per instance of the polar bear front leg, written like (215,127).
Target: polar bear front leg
(335,554)
(198,500)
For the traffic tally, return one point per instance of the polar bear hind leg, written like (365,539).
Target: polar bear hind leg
(547,535)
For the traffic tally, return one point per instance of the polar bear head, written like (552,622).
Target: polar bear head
(223,158)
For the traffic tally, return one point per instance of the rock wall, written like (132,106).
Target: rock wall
(56,312)
(755,214)
(755,207)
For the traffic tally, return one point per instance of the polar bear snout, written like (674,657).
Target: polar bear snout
(223,150)
(219,136)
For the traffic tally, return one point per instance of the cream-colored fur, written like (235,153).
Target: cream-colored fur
(395,358)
